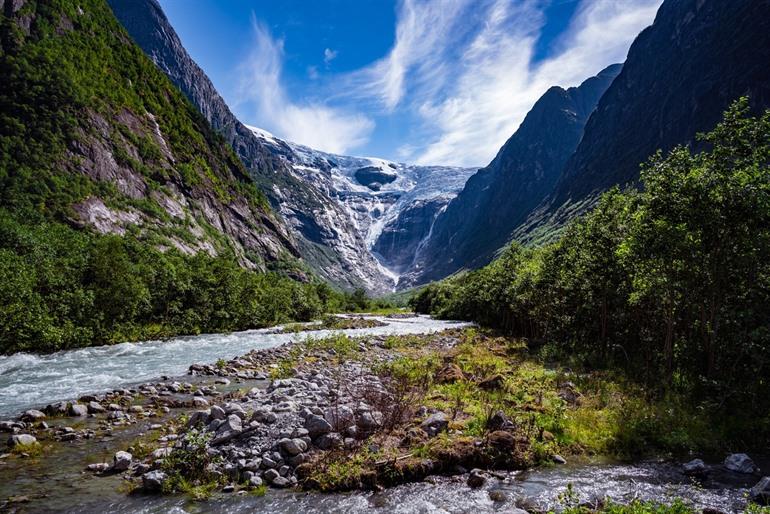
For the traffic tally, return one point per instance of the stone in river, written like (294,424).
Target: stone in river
(476,479)
(740,463)
(695,467)
(121,461)
(153,481)
(32,415)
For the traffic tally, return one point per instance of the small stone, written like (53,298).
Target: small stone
(229,488)
(153,481)
(95,407)
(56,409)
(255,481)
(21,440)
(121,461)
(265,416)
(558,459)
(740,463)
(292,446)
(476,479)
(99,467)
(222,380)
(271,474)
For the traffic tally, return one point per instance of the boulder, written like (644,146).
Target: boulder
(328,441)
(271,474)
(32,415)
(740,463)
(340,417)
(21,440)
(200,417)
(153,481)
(760,493)
(218,412)
(281,482)
(558,459)
(232,424)
(292,446)
(434,424)
(264,415)
(695,468)
(255,481)
(369,421)
(121,461)
(56,409)
(317,426)
(95,407)
(200,402)
(76,409)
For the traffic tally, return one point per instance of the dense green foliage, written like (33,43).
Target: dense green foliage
(671,283)
(61,288)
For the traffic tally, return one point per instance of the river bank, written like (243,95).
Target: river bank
(350,413)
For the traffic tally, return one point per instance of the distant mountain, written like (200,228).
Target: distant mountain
(497,199)
(93,135)
(334,205)
(389,207)
(680,75)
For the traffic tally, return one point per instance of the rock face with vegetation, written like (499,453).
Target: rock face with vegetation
(124,215)
(480,220)
(680,75)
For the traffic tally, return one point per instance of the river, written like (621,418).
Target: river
(56,482)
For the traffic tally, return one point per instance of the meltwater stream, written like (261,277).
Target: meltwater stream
(28,380)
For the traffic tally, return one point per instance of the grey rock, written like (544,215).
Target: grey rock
(56,409)
(369,421)
(95,407)
(740,463)
(255,481)
(21,440)
(218,412)
(200,402)
(32,415)
(232,425)
(292,446)
(434,424)
(77,409)
(121,461)
(281,482)
(317,426)
(200,417)
(340,417)
(271,474)
(760,493)
(695,467)
(328,441)
(264,415)
(153,481)
(99,467)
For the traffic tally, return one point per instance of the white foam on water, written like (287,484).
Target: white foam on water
(28,381)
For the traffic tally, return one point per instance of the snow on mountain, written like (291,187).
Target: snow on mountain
(380,198)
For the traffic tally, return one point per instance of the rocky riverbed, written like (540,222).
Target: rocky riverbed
(331,414)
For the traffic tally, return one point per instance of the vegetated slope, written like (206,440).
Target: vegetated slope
(480,220)
(680,75)
(670,283)
(104,166)
(326,235)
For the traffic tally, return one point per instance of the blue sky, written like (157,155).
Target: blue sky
(426,81)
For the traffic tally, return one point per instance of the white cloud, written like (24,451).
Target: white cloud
(311,123)
(465,68)
(329,55)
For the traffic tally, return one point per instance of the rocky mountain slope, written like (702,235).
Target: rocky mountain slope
(95,136)
(324,211)
(680,75)
(480,220)
(383,208)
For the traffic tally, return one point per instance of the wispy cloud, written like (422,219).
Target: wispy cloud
(458,80)
(329,55)
(472,93)
(312,123)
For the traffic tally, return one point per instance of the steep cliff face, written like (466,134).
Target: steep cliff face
(494,201)
(680,75)
(94,135)
(325,234)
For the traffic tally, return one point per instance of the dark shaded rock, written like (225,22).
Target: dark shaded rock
(434,424)
(760,493)
(695,467)
(740,463)
(476,479)
(492,383)
(153,481)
